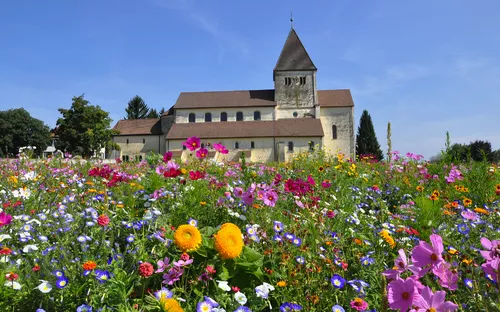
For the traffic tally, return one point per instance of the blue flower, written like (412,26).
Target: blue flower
(84,308)
(338,281)
(40,310)
(102,276)
(58,273)
(288,306)
(163,293)
(297,241)
(463,229)
(278,226)
(337,308)
(300,260)
(366,261)
(203,306)
(130,238)
(193,222)
(243,309)
(62,282)
(468,283)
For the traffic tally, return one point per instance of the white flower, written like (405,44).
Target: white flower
(4,237)
(29,248)
(224,285)
(45,287)
(13,284)
(263,290)
(240,297)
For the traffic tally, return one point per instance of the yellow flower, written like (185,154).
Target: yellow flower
(13,179)
(481,210)
(388,238)
(281,284)
(184,171)
(467,202)
(420,188)
(203,203)
(171,305)
(228,241)
(187,238)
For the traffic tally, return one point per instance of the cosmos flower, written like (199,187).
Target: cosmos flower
(192,143)
(400,293)
(428,301)
(5,219)
(423,254)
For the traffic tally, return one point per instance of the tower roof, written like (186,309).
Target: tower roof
(294,56)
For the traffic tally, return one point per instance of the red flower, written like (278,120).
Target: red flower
(36,268)
(146,269)
(103,220)
(330,214)
(210,269)
(235,289)
(11,276)
(5,251)
(184,256)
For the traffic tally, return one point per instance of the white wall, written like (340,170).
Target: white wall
(343,118)
(135,145)
(266,113)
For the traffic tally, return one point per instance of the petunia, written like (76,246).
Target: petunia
(224,285)
(240,298)
(337,308)
(45,287)
(264,290)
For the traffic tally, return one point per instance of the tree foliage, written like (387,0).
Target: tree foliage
(153,113)
(137,109)
(477,151)
(84,129)
(19,129)
(366,140)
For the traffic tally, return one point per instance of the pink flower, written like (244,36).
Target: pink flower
(247,198)
(359,304)
(202,153)
(146,269)
(400,265)
(162,265)
(423,254)
(427,301)
(220,148)
(103,220)
(447,279)
(192,144)
(326,184)
(401,293)
(5,219)
(238,192)
(469,215)
(492,268)
(270,198)
(492,248)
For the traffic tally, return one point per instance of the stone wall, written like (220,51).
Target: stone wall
(343,118)
(295,95)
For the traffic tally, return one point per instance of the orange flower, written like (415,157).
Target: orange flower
(89,265)
(454,204)
(420,188)
(281,284)
(482,210)
(436,193)
(447,212)
(358,241)
(467,202)
(433,197)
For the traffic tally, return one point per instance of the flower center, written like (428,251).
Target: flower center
(401,264)
(434,257)
(431,310)
(405,295)
(187,235)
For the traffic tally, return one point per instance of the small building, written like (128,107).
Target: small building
(267,125)
(137,138)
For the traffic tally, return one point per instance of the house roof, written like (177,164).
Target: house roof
(244,98)
(294,56)
(150,126)
(335,98)
(253,98)
(297,127)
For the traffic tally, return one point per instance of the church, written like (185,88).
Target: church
(266,125)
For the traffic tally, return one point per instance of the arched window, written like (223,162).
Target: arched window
(192,117)
(256,115)
(252,144)
(236,145)
(239,116)
(223,116)
(208,117)
(127,141)
(290,146)
(143,141)
(334,132)
(311,146)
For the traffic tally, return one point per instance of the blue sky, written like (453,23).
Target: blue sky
(426,66)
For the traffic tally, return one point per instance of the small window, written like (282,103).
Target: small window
(140,157)
(208,117)
(127,141)
(252,144)
(295,114)
(223,116)
(311,146)
(239,116)
(302,80)
(334,132)
(143,141)
(288,81)
(123,157)
(192,117)
(202,145)
(256,115)
(183,147)
(290,146)
(236,145)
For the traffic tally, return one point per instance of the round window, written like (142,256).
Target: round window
(295,114)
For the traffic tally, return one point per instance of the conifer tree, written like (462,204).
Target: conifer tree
(366,140)
(136,108)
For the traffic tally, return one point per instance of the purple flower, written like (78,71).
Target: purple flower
(173,275)
(427,301)
(182,263)
(400,294)
(423,254)
(163,265)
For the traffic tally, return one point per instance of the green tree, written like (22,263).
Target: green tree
(480,150)
(19,129)
(366,140)
(84,129)
(162,111)
(137,109)
(153,113)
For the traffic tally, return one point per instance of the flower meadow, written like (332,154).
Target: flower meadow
(319,233)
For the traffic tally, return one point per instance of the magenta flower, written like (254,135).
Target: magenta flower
(192,144)
(238,192)
(202,153)
(447,278)
(492,268)
(492,248)
(182,263)
(401,293)
(423,254)
(173,275)
(400,265)
(5,219)
(270,198)
(163,265)
(469,215)
(247,198)
(427,301)
(220,148)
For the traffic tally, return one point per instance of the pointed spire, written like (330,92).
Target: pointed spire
(291,20)
(294,56)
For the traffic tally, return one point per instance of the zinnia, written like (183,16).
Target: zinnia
(228,241)
(359,304)
(89,265)
(103,220)
(146,269)
(187,238)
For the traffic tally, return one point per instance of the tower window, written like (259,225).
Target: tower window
(288,81)
(295,114)
(239,116)
(256,115)
(127,141)
(236,145)
(302,80)
(143,141)
(208,117)
(252,144)
(290,146)
(192,117)
(334,132)
(223,116)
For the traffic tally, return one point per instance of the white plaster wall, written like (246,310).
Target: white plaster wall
(343,118)
(135,146)
(286,113)
(266,113)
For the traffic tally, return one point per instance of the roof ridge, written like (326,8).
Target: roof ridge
(226,91)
